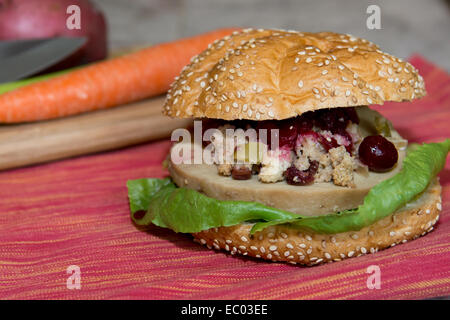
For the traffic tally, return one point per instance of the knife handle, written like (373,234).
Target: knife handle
(31,143)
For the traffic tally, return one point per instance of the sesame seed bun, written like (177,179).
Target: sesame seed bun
(274,74)
(283,243)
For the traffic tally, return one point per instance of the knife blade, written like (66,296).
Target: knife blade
(22,58)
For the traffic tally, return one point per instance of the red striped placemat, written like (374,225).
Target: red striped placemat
(75,212)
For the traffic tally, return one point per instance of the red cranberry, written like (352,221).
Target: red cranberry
(326,144)
(288,133)
(241,172)
(326,119)
(210,124)
(335,119)
(311,134)
(242,124)
(300,178)
(267,125)
(348,138)
(378,153)
(305,122)
(352,115)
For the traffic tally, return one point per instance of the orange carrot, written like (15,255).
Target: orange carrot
(128,78)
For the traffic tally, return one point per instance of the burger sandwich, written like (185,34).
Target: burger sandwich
(288,162)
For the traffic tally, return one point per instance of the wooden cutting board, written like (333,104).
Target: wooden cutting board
(31,143)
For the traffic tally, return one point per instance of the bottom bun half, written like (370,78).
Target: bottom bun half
(283,243)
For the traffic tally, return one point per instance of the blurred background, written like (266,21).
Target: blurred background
(407,26)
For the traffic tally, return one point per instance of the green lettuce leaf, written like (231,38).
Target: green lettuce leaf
(188,211)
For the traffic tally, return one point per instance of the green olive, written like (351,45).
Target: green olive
(251,152)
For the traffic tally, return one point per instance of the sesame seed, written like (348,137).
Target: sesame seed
(347,93)
(273,248)
(363,250)
(262,249)
(354,236)
(202,241)
(286,253)
(327,255)
(308,60)
(351,253)
(300,84)
(308,238)
(439,206)
(392,233)
(244,239)
(290,246)
(324,72)
(269,256)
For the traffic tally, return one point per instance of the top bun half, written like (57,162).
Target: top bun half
(273,74)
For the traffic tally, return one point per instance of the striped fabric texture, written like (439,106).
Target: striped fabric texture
(75,213)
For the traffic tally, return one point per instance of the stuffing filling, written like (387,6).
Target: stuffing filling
(319,146)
